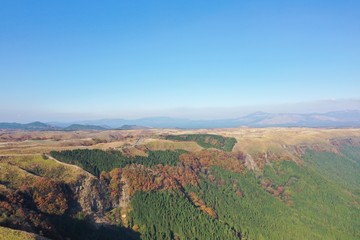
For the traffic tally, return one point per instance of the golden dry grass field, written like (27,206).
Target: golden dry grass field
(248,139)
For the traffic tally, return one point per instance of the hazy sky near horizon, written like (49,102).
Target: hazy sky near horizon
(197,59)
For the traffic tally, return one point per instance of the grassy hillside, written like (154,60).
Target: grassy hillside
(11,234)
(162,144)
(19,170)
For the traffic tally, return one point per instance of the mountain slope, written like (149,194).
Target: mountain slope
(305,185)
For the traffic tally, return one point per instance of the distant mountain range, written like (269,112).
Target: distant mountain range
(257,119)
(27,126)
(77,127)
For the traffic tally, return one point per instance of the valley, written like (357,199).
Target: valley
(237,183)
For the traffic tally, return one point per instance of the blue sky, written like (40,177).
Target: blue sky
(99,59)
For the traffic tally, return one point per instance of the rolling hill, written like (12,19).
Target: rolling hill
(243,183)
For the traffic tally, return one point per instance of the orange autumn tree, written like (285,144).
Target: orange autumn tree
(49,196)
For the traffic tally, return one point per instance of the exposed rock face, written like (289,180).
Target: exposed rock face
(93,198)
(124,201)
(250,163)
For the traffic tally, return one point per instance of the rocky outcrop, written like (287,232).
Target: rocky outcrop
(250,163)
(93,198)
(124,202)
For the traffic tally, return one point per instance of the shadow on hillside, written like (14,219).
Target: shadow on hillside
(70,228)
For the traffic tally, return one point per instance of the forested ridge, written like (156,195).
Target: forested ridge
(287,201)
(207,140)
(95,161)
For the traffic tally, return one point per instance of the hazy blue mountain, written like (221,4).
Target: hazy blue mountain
(257,119)
(6,125)
(330,119)
(78,127)
(39,126)
(131,127)
(27,126)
